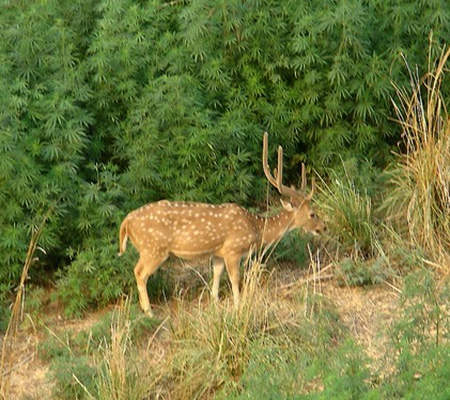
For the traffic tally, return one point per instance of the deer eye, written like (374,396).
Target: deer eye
(312,215)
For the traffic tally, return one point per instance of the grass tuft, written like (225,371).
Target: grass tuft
(418,201)
(351,216)
(122,372)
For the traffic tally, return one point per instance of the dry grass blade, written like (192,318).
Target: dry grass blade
(8,346)
(123,374)
(420,182)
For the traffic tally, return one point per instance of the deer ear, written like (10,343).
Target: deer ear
(287,205)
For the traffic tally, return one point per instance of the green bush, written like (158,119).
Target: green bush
(359,272)
(74,377)
(110,105)
(292,249)
(419,340)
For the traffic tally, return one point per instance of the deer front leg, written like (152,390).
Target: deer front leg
(144,268)
(218,265)
(232,263)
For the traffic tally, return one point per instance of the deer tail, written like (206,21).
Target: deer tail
(123,237)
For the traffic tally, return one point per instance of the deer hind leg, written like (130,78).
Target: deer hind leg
(144,268)
(219,265)
(232,263)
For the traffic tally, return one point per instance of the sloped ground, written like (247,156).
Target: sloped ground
(368,314)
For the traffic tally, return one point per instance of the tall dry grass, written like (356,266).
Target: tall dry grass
(8,360)
(212,344)
(124,373)
(207,348)
(419,198)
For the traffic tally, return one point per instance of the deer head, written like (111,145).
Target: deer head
(298,203)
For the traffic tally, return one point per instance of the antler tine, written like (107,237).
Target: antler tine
(284,190)
(265,161)
(313,188)
(280,169)
(278,181)
(303,187)
(313,183)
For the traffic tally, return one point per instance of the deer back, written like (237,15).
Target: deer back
(191,230)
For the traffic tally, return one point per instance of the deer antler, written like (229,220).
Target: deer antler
(303,187)
(265,162)
(278,182)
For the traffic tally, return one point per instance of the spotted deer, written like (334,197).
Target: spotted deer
(226,232)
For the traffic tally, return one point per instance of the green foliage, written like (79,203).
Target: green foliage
(421,376)
(70,365)
(94,279)
(358,272)
(266,350)
(44,123)
(98,277)
(5,316)
(311,359)
(292,249)
(109,105)
(420,340)
(425,322)
(68,373)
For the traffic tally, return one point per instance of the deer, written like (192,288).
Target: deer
(224,232)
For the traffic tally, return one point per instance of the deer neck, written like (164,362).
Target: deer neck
(273,228)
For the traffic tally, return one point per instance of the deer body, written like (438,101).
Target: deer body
(227,232)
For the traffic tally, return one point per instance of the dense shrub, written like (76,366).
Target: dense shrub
(108,105)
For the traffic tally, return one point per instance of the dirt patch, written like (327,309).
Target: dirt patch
(28,375)
(368,313)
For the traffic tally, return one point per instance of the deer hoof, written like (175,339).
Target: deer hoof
(149,313)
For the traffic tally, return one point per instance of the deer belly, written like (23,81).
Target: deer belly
(195,244)
(191,254)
